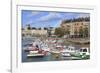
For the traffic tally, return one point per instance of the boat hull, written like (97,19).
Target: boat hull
(35,55)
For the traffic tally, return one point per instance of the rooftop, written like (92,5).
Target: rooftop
(76,20)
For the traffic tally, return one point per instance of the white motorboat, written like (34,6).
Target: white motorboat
(71,49)
(55,52)
(84,51)
(33,52)
(30,49)
(65,54)
(35,55)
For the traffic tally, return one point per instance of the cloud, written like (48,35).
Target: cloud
(43,19)
(33,13)
(83,15)
(51,16)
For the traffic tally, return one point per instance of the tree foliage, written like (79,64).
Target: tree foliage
(60,32)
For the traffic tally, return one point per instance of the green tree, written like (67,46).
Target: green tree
(76,32)
(85,32)
(67,32)
(81,32)
(49,31)
(59,32)
(28,27)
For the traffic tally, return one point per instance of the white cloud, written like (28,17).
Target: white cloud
(33,13)
(83,15)
(50,16)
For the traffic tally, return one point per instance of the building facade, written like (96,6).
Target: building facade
(77,27)
(28,30)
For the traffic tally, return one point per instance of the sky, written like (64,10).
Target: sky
(46,18)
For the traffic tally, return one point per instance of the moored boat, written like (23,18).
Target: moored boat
(68,51)
(35,55)
(65,54)
(31,49)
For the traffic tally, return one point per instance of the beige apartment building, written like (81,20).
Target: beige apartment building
(74,26)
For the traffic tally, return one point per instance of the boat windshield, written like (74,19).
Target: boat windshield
(83,50)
